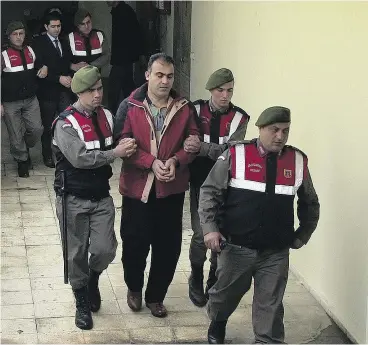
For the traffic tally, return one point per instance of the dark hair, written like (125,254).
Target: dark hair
(159,56)
(51,16)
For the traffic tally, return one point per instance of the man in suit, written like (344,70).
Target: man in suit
(54,91)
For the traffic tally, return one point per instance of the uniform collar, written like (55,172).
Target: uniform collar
(218,111)
(17,48)
(86,112)
(263,151)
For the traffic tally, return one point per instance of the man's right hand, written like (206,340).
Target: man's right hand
(2,110)
(212,241)
(125,148)
(192,144)
(160,170)
(65,81)
(77,66)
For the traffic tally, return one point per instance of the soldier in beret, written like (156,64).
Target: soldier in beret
(255,183)
(88,46)
(220,122)
(83,147)
(19,104)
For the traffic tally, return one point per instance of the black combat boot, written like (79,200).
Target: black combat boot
(196,293)
(212,279)
(216,332)
(83,316)
(23,169)
(94,291)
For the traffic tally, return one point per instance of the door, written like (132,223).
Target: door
(181,46)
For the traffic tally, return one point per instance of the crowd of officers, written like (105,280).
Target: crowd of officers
(241,191)
(36,73)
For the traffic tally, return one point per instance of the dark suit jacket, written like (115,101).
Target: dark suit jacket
(46,54)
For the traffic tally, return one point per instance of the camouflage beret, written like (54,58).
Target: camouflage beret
(14,25)
(80,15)
(85,78)
(273,115)
(218,78)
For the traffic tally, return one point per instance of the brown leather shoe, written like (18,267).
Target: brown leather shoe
(157,309)
(134,300)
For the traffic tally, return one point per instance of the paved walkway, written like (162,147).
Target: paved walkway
(36,307)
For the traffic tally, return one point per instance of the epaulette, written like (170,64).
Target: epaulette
(296,149)
(68,111)
(199,101)
(241,142)
(62,116)
(241,111)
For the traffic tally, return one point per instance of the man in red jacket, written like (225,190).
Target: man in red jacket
(153,182)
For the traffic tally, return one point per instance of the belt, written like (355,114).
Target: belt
(239,241)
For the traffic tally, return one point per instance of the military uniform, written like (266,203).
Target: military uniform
(92,49)
(82,144)
(218,127)
(21,108)
(255,190)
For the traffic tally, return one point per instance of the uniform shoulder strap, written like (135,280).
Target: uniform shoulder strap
(241,111)
(296,149)
(199,101)
(242,142)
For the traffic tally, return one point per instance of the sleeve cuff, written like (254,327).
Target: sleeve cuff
(109,156)
(203,151)
(209,227)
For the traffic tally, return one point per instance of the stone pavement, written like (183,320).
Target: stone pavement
(36,307)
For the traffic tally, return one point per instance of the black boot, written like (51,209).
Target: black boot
(83,316)
(23,169)
(29,162)
(48,161)
(212,279)
(196,293)
(216,332)
(94,291)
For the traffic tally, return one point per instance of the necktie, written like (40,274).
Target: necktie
(57,46)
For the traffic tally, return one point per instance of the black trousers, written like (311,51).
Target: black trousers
(49,110)
(120,80)
(156,224)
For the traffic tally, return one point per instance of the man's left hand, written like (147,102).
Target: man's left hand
(170,164)
(42,72)
(297,243)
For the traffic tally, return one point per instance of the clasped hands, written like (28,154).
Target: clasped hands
(164,170)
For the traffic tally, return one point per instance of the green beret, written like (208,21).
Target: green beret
(273,115)
(80,15)
(14,25)
(218,78)
(85,78)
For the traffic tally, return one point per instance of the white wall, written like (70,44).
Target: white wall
(313,58)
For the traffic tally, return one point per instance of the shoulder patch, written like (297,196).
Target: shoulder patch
(66,125)
(221,158)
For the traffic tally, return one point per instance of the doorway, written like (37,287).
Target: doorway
(182,46)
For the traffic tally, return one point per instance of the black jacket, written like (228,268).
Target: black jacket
(126,38)
(46,53)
